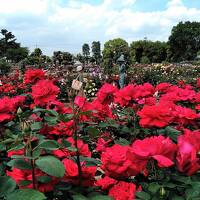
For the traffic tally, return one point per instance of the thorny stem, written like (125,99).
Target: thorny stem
(76,143)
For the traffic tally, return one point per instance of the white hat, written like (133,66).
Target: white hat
(79,68)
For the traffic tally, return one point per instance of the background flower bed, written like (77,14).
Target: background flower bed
(140,142)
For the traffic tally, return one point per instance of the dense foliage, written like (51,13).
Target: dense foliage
(139,142)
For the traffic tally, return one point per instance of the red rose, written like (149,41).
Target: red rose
(33,75)
(123,191)
(26,175)
(6,109)
(106,183)
(156,115)
(124,96)
(159,148)
(63,128)
(72,173)
(43,92)
(116,164)
(183,115)
(105,93)
(188,149)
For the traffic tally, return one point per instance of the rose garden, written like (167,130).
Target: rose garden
(131,135)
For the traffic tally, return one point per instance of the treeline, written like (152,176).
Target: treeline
(183,45)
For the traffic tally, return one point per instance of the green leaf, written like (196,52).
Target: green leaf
(7,185)
(103,125)
(25,182)
(36,126)
(20,164)
(26,194)
(177,198)
(2,147)
(51,120)
(92,131)
(79,197)
(66,144)
(100,197)
(90,161)
(143,195)
(44,179)
(51,166)
(51,112)
(49,145)
(18,147)
(122,142)
(154,187)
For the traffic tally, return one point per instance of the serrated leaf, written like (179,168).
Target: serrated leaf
(26,194)
(51,166)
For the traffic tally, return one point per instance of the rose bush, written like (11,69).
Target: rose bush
(139,142)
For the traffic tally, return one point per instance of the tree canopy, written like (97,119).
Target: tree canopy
(184,41)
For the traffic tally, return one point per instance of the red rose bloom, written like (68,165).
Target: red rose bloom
(184,115)
(105,93)
(26,175)
(43,92)
(123,191)
(144,90)
(188,149)
(156,115)
(63,128)
(159,148)
(124,96)
(6,109)
(72,174)
(116,164)
(33,75)
(106,182)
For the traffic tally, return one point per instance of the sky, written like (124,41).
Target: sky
(67,24)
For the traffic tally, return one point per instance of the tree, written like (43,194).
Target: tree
(146,51)
(37,52)
(7,42)
(67,58)
(15,55)
(96,51)
(184,41)
(60,57)
(80,57)
(86,51)
(111,52)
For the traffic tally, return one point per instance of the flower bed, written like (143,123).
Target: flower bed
(139,142)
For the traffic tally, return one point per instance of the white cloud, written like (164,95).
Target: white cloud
(27,6)
(68,26)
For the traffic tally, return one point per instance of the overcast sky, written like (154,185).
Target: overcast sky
(67,24)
